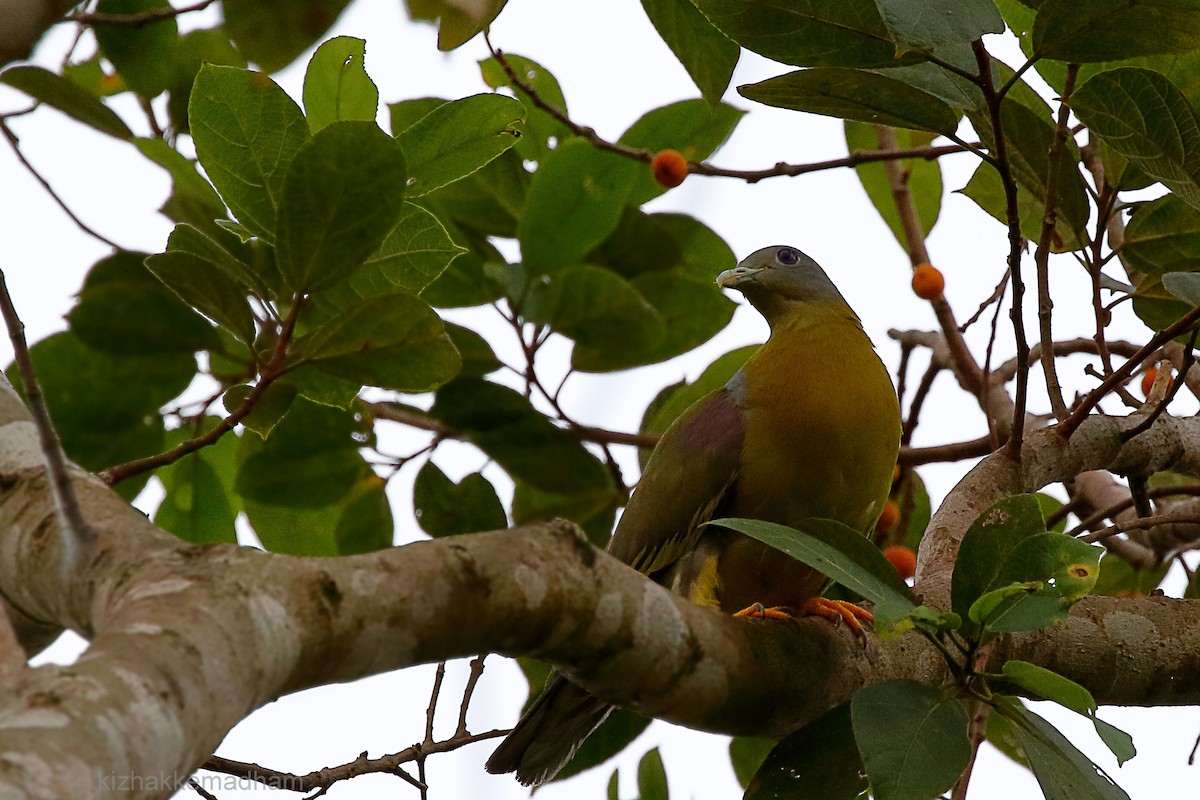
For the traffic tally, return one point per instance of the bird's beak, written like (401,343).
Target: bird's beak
(730,278)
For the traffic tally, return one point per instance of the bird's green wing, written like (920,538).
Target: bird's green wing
(690,473)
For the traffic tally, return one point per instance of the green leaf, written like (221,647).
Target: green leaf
(693,127)
(446,508)
(466,281)
(595,307)
(246,131)
(747,754)
(478,358)
(1085,31)
(987,190)
(342,195)
(692,312)
(1144,117)
(309,460)
(814,33)
(1001,735)
(593,510)
(912,738)
(505,425)
(1012,577)
(392,341)
(201,283)
(142,54)
(193,51)
(58,92)
(198,506)
(323,388)
(1119,579)
(360,523)
(1184,285)
(652,777)
(612,791)
(125,310)
(272,33)
(836,551)
(336,84)
(1050,685)
(988,543)
(541,128)
(193,199)
(1060,769)
(1157,307)
(924,177)
(457,22)
(818,762)
(575,200)
(707,54)
(105,407)
(1163,236)
(458,138)
(855,94)
(488,202)
(927,24)
(268,410)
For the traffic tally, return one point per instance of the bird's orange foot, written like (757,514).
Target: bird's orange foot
(758,611)
(838,611)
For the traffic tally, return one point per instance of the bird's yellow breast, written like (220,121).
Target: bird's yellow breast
(822,427)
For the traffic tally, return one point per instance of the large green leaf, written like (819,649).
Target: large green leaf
(394,341)
(457,138)
(143,54)
(987,545)
(457,22)
(1085,31)
(199,505)
(201,282)
(929,24)
(506,426)
(592,509)
(652,777)
(924,178)
(246,130)
(446,508)
(1144,117)
(193,199)
(1163,236)
(693,127)
(194,50)
(359,523)
(818,762)
(808,33)
(542,129)
(123,309)
(58,92)
(855,94)
(707,54)
(309,460)
(342,196)
(575,200)
(336,84)
(1062,771)
(837,551)
(596,307)
(986,189)
(913,739)
(273,32)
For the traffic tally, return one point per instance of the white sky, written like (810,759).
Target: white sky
(613,68)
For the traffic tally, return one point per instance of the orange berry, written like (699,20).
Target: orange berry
(903,559)
(669,168)
(1148,380)
(889,517)
(927,281)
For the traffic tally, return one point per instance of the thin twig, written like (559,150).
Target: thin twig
(274,369)
(699,168)
(138,19)
(468,692)
(83,226)
(914,408)
(1042,253)
(1137,523)
(1122,373)
(995,297)
(75,527)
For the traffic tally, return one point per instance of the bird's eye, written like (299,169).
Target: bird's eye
(787,256)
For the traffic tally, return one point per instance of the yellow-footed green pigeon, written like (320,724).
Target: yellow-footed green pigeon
(808,427)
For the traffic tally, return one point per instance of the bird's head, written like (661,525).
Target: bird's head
(782,281)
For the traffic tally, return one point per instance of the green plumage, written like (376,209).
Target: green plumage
(809,427)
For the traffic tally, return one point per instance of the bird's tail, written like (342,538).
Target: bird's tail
(549,733)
